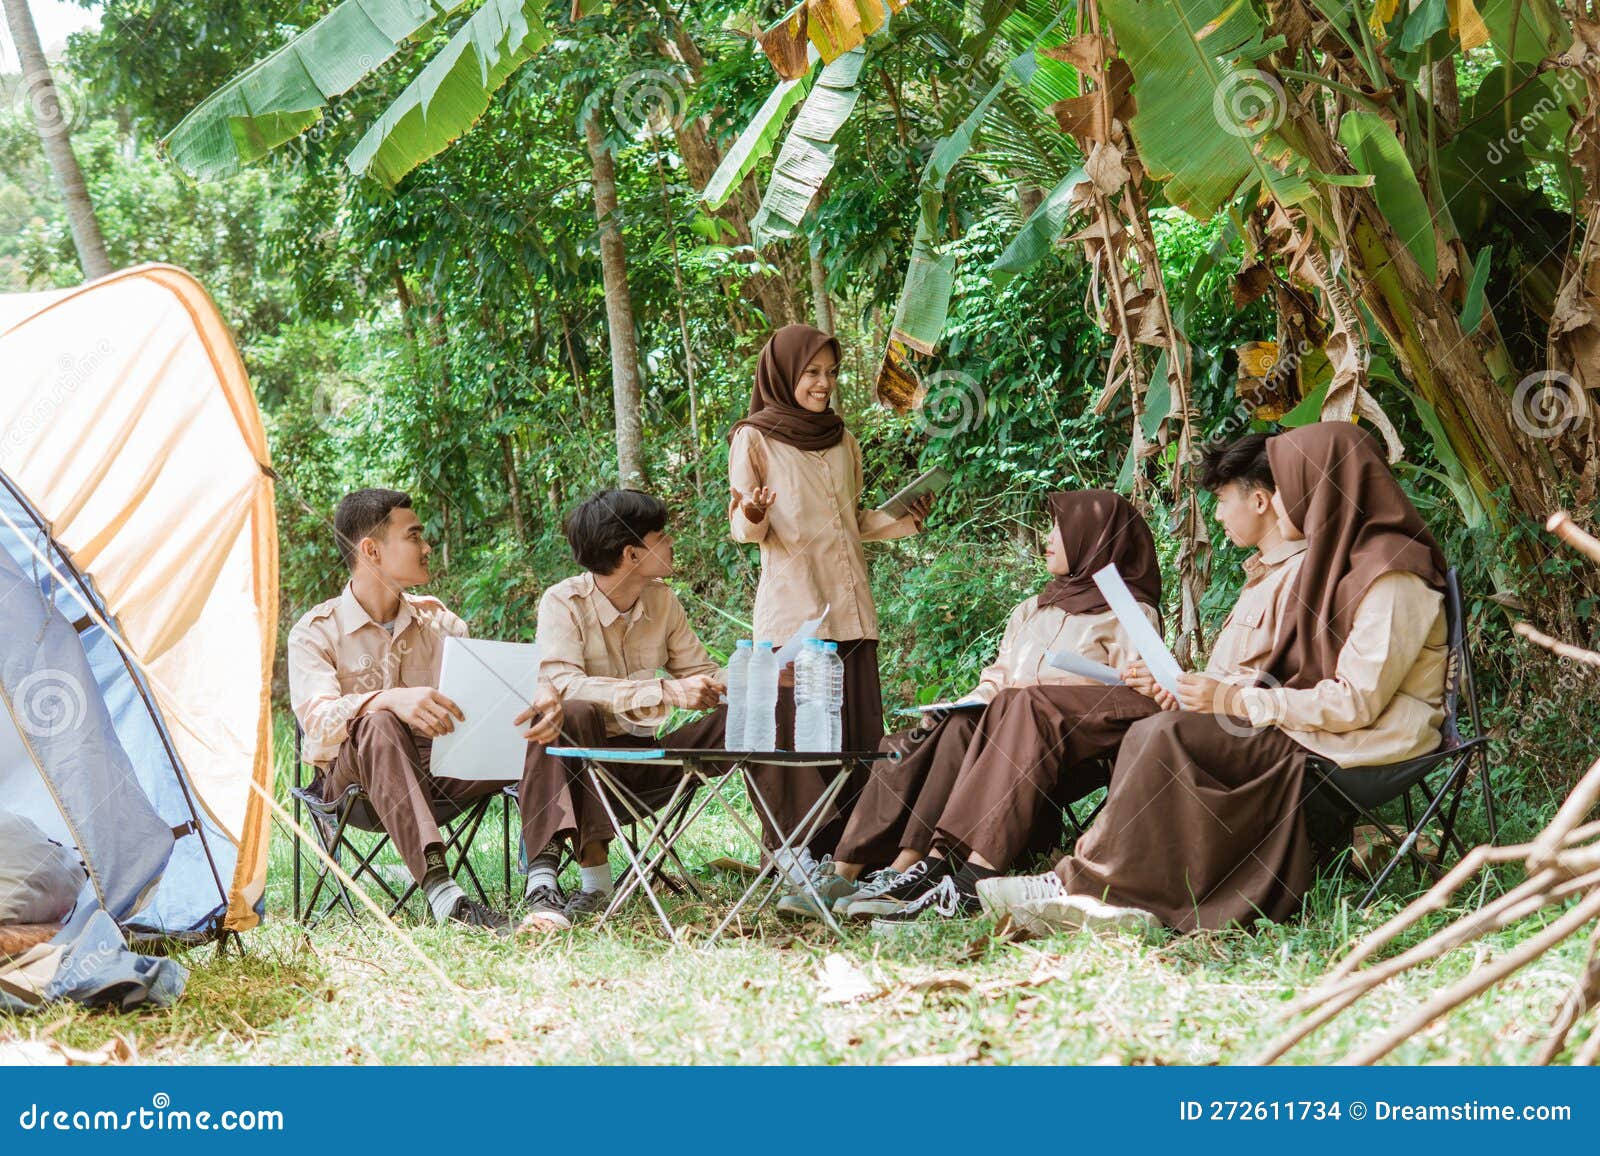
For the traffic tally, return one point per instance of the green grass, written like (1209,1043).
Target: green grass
(349,992)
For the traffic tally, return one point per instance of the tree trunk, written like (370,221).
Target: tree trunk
(513,488)
(619,309)
(44,103)
(821,307)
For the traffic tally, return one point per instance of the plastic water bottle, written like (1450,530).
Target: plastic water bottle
(811,698)
(761,723)
(833,685)
(738,695)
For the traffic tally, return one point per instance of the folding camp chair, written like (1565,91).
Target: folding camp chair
(1336,795)
(334,819)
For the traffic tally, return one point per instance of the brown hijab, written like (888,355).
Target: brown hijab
(773,410)
(1358,525)
(1099,528)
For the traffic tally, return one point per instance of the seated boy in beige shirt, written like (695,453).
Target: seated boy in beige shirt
(617,645)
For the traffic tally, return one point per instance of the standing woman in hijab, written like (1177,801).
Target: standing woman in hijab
(795,477)
(894,822)
(1204,826)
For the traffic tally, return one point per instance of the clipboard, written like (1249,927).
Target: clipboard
(929,482)
(492,682)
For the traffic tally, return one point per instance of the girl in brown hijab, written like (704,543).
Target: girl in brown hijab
(795,481)
(1205,828)
(898,820)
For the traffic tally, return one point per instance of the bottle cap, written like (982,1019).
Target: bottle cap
(763,646)
(743,644)
(831,645)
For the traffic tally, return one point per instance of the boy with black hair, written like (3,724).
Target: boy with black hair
(605,637)
(363,683)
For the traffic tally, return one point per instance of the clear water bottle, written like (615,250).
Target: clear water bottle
(833,684)
(811,698)
(761,722)
(738,695)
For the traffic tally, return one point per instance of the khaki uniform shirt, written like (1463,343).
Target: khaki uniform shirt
(810,540)
(1032,633)
(594,652)
(1247,634)
(1385,701)
(339,658)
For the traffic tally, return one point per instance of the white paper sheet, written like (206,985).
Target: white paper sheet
(1146,640)
(790,650)
(958,704)
(492,683)
(1074,663)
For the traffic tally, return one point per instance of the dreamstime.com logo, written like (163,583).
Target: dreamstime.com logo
(1249,103)
(160,1116)
(1547,404)
(649,102)
(50,703)
(950,403)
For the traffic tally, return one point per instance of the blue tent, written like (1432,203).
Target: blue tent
(137,607)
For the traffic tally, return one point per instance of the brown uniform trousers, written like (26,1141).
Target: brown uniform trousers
(908,790)
(390,761)
(1034,747)
(1203,826)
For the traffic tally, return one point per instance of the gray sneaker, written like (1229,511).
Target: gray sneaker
(879,882)
(830,887)
(916,881)
(545,910)
(582,905)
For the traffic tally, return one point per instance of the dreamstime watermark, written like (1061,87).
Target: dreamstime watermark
(1543,999)
(1266,389)
(1568,79)
(1547,404)
(949,403)
(1249,103)
(47,102)
(649,102)
(50,703)
(74,372)
(159,1116)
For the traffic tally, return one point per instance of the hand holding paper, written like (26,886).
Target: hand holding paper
(1075,663)
(1146,640)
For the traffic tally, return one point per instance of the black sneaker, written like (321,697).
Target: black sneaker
(943,901)
(545,909)
(586,904)
(470,914)
(919,879)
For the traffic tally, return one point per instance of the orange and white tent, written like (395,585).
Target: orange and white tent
(137,505)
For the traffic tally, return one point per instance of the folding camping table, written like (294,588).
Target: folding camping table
(711,770)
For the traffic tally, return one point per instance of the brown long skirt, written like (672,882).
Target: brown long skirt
(908,790)
(1203,825)
(1034,747)
(792,791)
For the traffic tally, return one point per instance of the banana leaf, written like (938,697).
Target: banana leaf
(754,143)
(1374,149)
(807,154)
(284,93)
(1039,232)
(924,304)
(1189,126)
(450,94)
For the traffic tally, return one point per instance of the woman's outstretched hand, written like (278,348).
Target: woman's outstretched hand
(756,503)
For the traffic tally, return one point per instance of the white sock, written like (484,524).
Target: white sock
(442,897)
(596,878)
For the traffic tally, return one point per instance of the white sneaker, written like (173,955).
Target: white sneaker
(997,896)
(1081,913)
